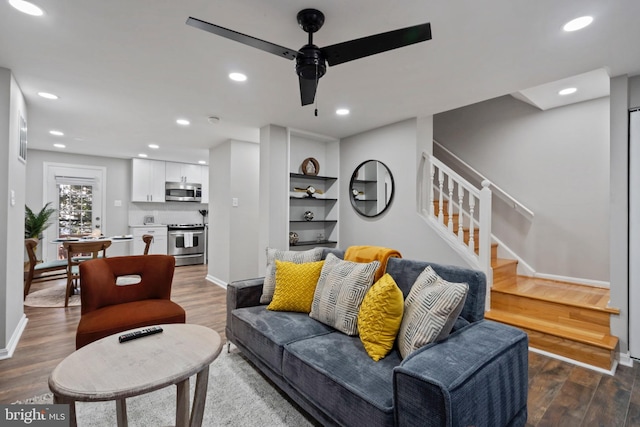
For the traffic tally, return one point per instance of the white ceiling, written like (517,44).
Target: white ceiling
(126,70)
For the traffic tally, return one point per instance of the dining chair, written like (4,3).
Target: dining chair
(41,271)
(78,252)
(147,239)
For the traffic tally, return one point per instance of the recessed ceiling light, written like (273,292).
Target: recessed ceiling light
(578,23)
(342,111)
(567,91)
(202,162)
(26,7)
(48,95)
(183,122)
(237,77)
(153,146)
(56,133)
(142,155)
(59,145)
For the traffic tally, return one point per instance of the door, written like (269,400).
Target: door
(76,192)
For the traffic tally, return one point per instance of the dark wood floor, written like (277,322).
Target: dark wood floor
(560,394)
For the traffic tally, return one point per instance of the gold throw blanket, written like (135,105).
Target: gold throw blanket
(371,253)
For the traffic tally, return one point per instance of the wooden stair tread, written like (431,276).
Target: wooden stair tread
(595,339)
(571,294)
(500,262)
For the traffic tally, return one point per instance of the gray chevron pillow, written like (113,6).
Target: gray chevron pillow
(341,288)
(299,257)
(430,310)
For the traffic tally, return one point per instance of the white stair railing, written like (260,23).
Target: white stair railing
(472,205)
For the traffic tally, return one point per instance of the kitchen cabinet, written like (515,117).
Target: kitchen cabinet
(205,185)
(147,180)
(159,243)
(183,172)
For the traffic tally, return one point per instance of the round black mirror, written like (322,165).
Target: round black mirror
(371,188)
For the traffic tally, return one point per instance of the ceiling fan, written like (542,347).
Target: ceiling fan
(311,60)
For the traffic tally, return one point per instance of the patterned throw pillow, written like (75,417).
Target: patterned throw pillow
(380,317)
(298,257)
(340,291)
(430,310)
(295,286)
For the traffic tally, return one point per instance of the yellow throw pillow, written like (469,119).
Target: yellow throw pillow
(380,317)
(295,286)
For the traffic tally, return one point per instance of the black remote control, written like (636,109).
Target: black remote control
(139,334)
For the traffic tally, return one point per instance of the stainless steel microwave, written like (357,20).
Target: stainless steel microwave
(182,192)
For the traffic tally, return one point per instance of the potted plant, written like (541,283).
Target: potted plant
(35,224)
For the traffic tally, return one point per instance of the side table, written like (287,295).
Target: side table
(108,370)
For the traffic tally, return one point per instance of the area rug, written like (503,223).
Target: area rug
(238,395)
(51,296)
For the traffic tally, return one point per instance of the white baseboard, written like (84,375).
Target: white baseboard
(7,353)
(625,359)
(216,281)
(611,372)
(576,280)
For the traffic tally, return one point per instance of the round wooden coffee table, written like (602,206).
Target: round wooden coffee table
(109,370)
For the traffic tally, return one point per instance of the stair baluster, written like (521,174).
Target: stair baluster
(472,205)
(460,221)
(450,183)
(440,194)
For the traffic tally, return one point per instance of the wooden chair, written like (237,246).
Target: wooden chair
(41,271)
(109,308)
(78,252)
(147,239)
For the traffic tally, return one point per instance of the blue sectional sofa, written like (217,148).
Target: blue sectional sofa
(477,376)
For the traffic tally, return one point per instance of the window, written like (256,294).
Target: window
(75,217)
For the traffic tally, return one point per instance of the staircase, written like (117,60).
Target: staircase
(565,319)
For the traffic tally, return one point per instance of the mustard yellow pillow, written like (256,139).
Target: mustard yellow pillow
(380,317)
(295,286)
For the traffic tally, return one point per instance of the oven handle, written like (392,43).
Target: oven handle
(188,256)
(181,233)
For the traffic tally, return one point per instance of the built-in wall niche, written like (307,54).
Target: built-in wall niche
(313,190)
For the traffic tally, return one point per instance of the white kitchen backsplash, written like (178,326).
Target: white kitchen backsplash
(167,213)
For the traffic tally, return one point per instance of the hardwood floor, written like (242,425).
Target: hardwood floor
(559,393)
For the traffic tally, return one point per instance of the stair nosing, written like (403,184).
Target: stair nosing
(609,310)
(511,319)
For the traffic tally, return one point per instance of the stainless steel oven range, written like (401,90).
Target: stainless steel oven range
(186,242)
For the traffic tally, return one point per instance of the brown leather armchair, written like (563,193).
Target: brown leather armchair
(109,307)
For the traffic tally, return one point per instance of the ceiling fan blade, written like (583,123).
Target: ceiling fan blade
(307,90)
(378,43)
(243,38)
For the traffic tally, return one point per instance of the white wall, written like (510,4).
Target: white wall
(12,197)
(233,230)
(398,146)
(556,162)
(274,194)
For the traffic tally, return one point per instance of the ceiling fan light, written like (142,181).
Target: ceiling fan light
(26,7)
(567,91)
(578,23)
